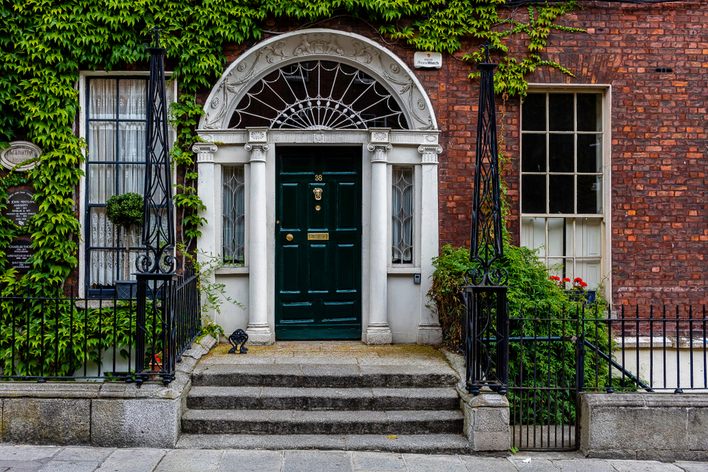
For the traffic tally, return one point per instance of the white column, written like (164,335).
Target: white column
(205,185)
(378,331)
(208,241)
(429,330)
(258,330)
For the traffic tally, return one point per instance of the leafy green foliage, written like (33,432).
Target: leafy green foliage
(125,210)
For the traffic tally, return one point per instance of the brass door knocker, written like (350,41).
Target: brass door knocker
(318,193)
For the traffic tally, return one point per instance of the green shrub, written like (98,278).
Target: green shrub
(531,294)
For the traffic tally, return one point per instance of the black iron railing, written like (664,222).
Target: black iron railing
(56,338)
(593,349)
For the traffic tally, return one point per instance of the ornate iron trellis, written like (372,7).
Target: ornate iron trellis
(157,267)
(487,320)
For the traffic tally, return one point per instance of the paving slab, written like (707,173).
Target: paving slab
(28,453)
(589,465)
(69,466)
(434,463)
(532,464)
(377,461)
(689,466)
(495,464)
(190,460)
(643,466)
(317,461)
(251,461)
(20,466)
(133,460)
(96,454)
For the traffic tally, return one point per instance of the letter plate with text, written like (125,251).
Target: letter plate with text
(318,236)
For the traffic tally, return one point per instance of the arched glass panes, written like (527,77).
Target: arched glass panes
(318,95)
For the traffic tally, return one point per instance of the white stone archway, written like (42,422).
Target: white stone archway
(392,296)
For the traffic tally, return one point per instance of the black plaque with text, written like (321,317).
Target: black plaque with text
(17,254)
(20,207)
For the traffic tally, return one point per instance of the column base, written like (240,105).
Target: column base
(430,334)
(376,335)
(260,335)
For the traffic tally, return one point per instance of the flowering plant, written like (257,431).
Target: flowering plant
(559,282)
(579,285)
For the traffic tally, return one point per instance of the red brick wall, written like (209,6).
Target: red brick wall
(658,211)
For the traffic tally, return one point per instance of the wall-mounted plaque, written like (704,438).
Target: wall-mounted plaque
(427,60)
(18,154)
(17,254)
(20,207)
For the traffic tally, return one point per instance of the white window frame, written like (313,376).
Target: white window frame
(83,132)
(606,215)
(413,215)
(222,193)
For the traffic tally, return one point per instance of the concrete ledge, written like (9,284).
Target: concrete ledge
(644,426)
(111,414)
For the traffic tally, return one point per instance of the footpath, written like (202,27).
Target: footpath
(89,459)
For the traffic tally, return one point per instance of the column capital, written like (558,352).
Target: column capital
(205,151)
(380,144)
(430,153)
(257,144)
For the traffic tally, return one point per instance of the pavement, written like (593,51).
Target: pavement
(88,459)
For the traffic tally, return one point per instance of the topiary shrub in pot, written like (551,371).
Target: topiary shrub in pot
(125,211)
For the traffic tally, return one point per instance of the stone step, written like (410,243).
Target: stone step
(325,376)
(416,443)
(282,398)
(321,422)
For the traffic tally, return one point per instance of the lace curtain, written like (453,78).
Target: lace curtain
(116,165)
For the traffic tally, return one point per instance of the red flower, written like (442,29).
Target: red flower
(553,277)
(578,280)
(566,279)
(583,284)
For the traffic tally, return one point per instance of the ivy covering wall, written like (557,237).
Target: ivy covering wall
(45,43)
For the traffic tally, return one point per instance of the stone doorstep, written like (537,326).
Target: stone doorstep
(320,422)
(276,398)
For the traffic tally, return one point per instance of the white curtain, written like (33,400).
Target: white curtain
(121,145)
(402,215)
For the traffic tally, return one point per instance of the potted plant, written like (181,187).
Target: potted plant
(578,291)
(125,211)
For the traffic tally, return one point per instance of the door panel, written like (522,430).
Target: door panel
(318,243)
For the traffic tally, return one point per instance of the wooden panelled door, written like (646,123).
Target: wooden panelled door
(318,243)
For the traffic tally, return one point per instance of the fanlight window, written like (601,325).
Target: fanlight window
(318,95)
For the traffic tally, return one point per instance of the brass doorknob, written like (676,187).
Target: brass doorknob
(289,237)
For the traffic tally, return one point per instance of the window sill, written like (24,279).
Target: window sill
(406,270)
(232,271)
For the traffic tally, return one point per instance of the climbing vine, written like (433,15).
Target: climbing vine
(45,43)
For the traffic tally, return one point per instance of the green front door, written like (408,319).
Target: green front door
(318,243)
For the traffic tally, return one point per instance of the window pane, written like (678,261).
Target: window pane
(233,214)
(534,112)
(589,112)
(561,194)
(102,99)
(102,182)
(101,141)
(589,153)
(560,112)
(131,142)
(534,153)
(131,178)
(533,234)
(589,194)
(533,196)
(557,239)
(560,153)
(402,214)
(131,102)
